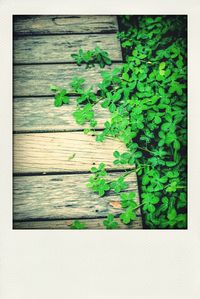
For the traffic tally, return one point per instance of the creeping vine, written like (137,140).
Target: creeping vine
(147,100)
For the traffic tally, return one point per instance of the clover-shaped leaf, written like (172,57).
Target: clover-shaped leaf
(76,224)
(109,223)
(128,216)
(119,185)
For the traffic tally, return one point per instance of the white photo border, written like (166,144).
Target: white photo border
(138,264)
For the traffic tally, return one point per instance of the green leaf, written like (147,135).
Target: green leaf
(77,225)
(119,185)
(128,216)
(54,88)
(116,154)
(125,76)
(157,119)
(112,107)
(170,163)
(162,72)
(100,138)
(177,145)
(93,123)
(145,180)
(109,223)
(65,100)
(182,202)
(90,57)
(58,101)
(94,169)
(140,86)
(105,103)
(171,215)
(162,65)
(128,200)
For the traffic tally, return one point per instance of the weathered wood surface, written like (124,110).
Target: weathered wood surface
(45,49)
(40,114)
(62,24)
(35,80)
(64,224)
(65,197)
(52,201)
(53,152)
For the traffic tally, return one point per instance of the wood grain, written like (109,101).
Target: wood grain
(51,200)
(62,24)
(35,80)
(64,197)
(40,114)
(64,224)
(52,152)
(45,49)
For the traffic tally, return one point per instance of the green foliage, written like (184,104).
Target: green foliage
(127,157)
(155,52)
(76,224)
(128,200)
(129,204)
(77,84)
(147,99)
(119,184)
(91,57)
(128,216)
(83,115)
(109,223)
(60,97)
(97,181)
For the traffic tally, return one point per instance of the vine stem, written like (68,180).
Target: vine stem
(144,165)
(145,149)
(128,172)
(99,99)
(138,206)
(178,187)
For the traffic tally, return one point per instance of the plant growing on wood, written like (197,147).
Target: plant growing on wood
(60,97)
(97,181)
(109,223)
(76,224)
(148,104)
(130,206)
(91,57)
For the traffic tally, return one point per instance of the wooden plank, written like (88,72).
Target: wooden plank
(63,224)
(53,152)
(35,80)
(45,49)
(40,114)
(65,197)
(62,24)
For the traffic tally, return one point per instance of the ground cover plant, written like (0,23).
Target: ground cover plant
(91,57)
(147,98)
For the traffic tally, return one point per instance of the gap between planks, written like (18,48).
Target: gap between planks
(65,197)
(64,224)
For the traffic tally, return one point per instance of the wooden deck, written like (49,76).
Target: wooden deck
(49,186)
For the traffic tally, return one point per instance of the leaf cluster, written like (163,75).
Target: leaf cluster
(60,97)
(129,204)
(147,99)
(109,223)
(91,57)
(76,224)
